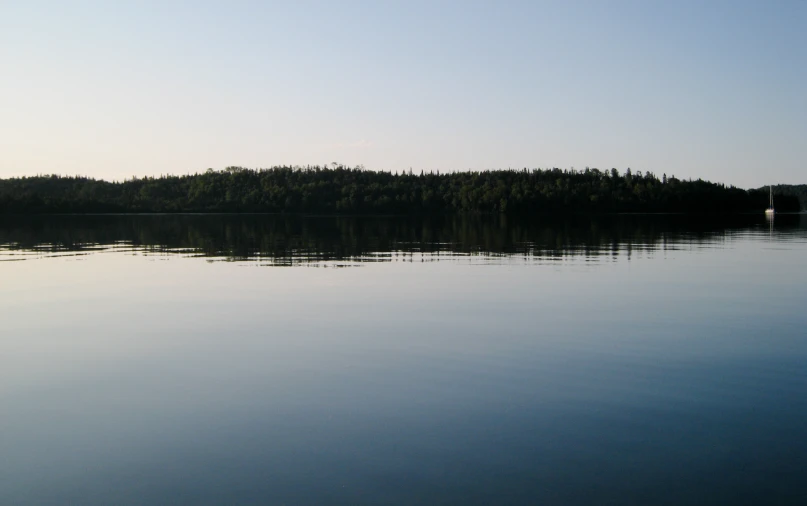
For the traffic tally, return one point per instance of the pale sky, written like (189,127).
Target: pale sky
(111,89)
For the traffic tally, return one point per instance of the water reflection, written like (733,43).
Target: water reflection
(674,378)
(336,241)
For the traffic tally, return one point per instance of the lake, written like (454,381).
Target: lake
(276,360)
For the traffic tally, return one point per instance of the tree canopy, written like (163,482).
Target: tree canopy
(789,190)
(344,190)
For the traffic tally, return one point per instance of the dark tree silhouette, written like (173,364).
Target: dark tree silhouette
(344,190)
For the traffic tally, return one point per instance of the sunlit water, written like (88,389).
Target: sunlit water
(202,360)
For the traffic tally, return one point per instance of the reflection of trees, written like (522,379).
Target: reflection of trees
(294,239)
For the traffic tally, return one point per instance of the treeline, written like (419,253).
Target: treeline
(344,190)
(789,190)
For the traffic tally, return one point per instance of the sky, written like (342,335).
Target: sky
(694,89)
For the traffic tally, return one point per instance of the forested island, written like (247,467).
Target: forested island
(793,190)
(344,190)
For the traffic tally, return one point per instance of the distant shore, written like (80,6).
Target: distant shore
(342,190)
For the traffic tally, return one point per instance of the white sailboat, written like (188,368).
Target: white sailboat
(769,210)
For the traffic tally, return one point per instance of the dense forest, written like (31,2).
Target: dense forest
(789,190)
(344,190)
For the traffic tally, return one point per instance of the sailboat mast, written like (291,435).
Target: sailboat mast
(769,210)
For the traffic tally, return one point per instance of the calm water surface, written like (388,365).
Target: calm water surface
(271,360)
